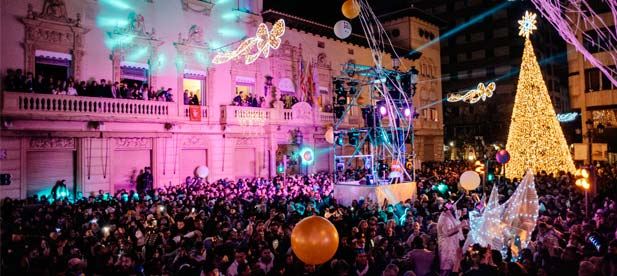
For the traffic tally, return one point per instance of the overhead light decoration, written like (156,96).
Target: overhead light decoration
(473,96)
(263,40)
(566,117)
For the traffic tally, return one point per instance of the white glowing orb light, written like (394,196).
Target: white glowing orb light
(382,110)
(202,171)
(263,40)
(407,112)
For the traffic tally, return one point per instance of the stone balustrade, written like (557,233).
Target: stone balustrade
(48,106)
(44,106)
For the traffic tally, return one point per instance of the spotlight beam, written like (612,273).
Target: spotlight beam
(461,27)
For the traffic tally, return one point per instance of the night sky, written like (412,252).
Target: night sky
(328,12)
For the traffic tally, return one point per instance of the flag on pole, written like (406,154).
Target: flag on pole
(310,85)
(302,79)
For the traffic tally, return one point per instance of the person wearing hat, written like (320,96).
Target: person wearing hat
(362,267)
(449,235)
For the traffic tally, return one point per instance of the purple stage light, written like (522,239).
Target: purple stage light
(382,110)
(407,112)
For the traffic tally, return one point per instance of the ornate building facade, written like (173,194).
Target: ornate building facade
(102,144)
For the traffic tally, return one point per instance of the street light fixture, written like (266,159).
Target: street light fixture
(590,135)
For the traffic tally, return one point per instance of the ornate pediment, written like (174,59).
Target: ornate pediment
(195,37)
(134,35)
(53,10)
(52,29)
(285,51)
(198,6)
(136,27)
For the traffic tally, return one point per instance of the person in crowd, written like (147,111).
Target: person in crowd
(449,234)
(218,225)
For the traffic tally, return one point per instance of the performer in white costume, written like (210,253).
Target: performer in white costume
(448,236)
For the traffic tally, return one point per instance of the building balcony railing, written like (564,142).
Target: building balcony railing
(48,106)
(240,115)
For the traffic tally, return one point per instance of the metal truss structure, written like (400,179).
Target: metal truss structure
(379,141)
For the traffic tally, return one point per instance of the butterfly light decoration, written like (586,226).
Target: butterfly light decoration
(263,40)
(473,96)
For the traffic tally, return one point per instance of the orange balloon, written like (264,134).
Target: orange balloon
(350,9)
(314,240)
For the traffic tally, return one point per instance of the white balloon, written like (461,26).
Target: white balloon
(470,180)
(202,171)
(342,29)
(329,135)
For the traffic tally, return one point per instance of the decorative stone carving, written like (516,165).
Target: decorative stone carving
(52,30)
(194,141)
(136,26)
(133,143)
(322,61)
(198,6)
(135,36)
(302,111)
(54,10)
(52,143)
(244,141)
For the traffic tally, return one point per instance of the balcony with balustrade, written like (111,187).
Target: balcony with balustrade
(31,106)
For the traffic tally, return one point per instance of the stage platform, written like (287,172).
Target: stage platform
(346,192)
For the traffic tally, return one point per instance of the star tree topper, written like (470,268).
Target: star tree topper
(527,24)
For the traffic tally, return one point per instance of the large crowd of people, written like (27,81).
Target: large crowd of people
(243,227)
(16,80)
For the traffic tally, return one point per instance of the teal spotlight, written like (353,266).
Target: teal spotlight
(119,4)
(280,168)
(307,155)
(490,177)
(442,188)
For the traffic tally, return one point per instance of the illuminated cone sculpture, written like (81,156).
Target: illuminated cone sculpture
(535,138)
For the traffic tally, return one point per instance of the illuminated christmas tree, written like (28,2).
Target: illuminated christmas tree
(535,139)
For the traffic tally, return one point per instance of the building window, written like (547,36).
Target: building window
(477,54)
(501,32)
(490,72)
(133,74)
(321,44)
(478,73)
(461,57)
(502,51)
(477,36)
(599,41)
(244,86)
(592,79)
(194,83)
(350,51)
(500,14)
(53,64)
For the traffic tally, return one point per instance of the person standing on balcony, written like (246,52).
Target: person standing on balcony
(187,100)
(29,83)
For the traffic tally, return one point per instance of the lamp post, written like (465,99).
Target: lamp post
(590,135)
